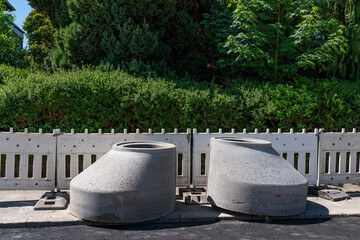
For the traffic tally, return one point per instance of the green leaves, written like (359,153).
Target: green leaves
(109,99)
(10,43)
(94,32)
(56,10)
(278,40)
(41,39)
(143,42)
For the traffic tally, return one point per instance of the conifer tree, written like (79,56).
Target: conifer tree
(41,38)
(117,31)
(348,13)
(112,31)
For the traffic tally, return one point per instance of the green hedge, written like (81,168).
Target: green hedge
(95,99)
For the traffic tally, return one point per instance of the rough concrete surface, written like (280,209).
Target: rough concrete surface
(248,175)
(16,207)
(133,182)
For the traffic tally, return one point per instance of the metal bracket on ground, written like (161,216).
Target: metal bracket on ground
(194,196)
(331,194)
(53,201)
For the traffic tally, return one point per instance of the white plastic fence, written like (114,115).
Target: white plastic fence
(300,149)
(77,151)
(27,160)
(339,157)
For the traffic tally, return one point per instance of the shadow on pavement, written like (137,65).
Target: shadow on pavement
(18,203)
(297,222)
(315,213)
(354,193)
(152,226)
(135,227)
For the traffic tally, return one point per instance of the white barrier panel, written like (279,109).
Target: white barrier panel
(339,157)
(77,151)
(300,149)
(27,160)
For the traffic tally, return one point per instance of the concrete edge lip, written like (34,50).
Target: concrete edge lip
(142,146)
(242,141)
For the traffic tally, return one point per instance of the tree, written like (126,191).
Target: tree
(182,34)
(278,39)
(10,45)
(216,28)
(105,31)
(120,31)
(56,10)
(41,38)
(348,13)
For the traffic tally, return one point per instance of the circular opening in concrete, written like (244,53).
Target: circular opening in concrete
(250,142)
(143,146)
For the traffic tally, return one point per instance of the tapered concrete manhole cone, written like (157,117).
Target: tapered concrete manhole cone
(133,182)
(248,176)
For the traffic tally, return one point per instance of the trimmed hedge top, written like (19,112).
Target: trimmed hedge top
(94,99)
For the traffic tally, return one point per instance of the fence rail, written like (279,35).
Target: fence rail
(33,160)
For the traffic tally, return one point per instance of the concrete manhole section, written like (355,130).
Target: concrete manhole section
(248,176)
(133,182)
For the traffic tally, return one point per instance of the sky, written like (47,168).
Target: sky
(22,11)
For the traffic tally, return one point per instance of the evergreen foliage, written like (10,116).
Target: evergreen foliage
(348,13)
(10,44)
(107,31)
(107,98)
(215,29)
(56,10)
(279,39)
(210,40)
(282,40)
(182,34)
(94,32)
(41,38)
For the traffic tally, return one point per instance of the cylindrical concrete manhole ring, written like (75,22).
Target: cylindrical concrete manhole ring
(133,182)
(248,176)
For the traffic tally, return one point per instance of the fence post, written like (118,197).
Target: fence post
(318,156)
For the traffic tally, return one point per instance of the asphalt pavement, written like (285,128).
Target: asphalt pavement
(336,228)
